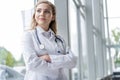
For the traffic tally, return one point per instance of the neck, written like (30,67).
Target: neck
(46,28)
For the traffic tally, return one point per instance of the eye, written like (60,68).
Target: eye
(38,10)
(47,11)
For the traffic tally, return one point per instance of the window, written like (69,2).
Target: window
(112,24)
(11,28)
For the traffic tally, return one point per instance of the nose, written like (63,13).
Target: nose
(42,13)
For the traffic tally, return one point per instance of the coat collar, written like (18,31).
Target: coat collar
(48,33)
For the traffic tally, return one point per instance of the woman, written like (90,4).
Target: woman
(45,53)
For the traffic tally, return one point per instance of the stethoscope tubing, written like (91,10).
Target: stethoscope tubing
(56,38)
(37,37)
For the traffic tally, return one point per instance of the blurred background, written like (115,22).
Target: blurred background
(90,27)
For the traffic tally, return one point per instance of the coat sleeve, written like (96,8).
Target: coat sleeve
(63,61)
(68,60)
(32,61)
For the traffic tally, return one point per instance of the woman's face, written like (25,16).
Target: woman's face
(44,15)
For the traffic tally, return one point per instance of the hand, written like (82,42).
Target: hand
(45,57)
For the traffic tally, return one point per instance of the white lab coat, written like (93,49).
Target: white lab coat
(38,69)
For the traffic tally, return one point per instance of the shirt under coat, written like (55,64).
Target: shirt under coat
(38,69)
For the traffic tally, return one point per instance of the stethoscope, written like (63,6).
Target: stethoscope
(57,40)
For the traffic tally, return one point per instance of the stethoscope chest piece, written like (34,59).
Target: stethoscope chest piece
(42,46)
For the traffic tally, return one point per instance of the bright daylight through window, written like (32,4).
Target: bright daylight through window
(11,28)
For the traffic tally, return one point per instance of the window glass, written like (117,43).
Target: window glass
(11,28)
(113,19)
(112,27)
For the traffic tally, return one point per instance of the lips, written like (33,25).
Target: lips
(41,18)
